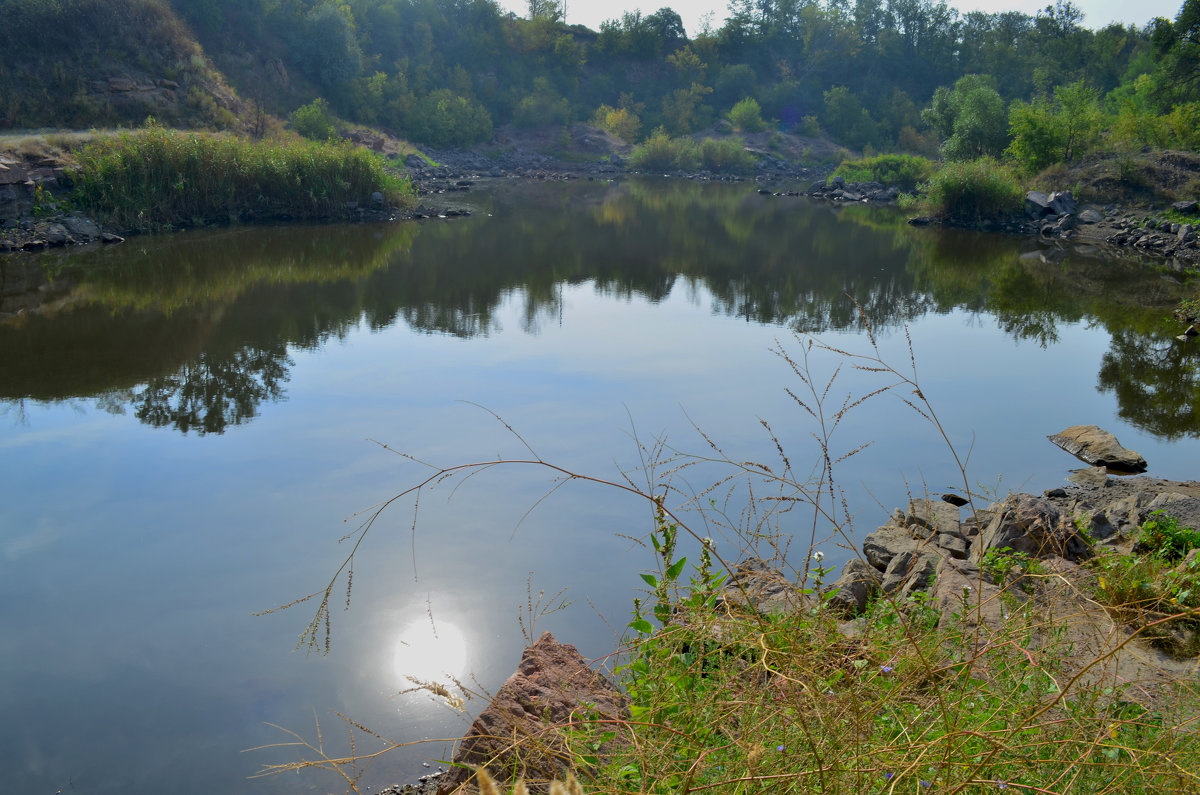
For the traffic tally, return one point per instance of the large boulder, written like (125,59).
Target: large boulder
(516,735)
(1032,525)
(1098,447)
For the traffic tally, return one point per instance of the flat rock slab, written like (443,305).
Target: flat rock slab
(1098,447)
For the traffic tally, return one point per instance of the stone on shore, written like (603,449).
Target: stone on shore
(515,735)
(854,589)
(1098,447)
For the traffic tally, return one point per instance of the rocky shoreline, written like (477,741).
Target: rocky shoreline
(32,216)
(978,566)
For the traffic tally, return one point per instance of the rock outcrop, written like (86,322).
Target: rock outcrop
(516,734)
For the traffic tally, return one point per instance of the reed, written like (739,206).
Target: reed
(156,179)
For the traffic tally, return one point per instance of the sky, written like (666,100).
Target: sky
(1097,13)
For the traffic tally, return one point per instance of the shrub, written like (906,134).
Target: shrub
(972,190)
(1163,538)
(902,171)
(620,122)
(443,118)
(661,152)
(313,121)
(726,155)
(746,116)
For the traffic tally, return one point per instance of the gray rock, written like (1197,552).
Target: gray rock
(908,572)
(1091,478)
(888,541)
(377,199)
(1180,507)
(935,516)
(1037,204)
(954,545)
(1062,203)
(858,582)
(1090,216)
(759,585)
(1100,527)
(1099,448)
(1188,207)
(54,234)
(81,229)
(1032,525)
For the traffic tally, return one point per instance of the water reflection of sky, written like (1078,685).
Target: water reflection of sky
(131,558)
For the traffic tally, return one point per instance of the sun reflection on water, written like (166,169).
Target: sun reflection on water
(430,652)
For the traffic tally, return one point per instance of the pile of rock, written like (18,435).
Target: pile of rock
(30,219)
(838,190)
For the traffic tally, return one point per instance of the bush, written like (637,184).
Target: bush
(443,118)
(661,152)
(972,190)
(726,155)
(313,121)
(1163,538)
(746,116)
(902,171)
(620,122)
(156,178)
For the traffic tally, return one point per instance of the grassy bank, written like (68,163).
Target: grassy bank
(155,179)
(908,700)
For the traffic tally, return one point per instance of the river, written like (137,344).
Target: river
(190,423)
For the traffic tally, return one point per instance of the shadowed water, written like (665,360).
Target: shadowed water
(186,426)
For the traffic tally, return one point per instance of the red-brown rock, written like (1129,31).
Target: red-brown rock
(516,735)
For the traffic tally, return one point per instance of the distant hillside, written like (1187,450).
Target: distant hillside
(103,63)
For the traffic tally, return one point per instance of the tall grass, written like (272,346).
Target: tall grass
(661,152)
(726,156)
(155,179)
(972,191)
(901,171)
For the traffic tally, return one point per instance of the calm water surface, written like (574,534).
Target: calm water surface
(192,423)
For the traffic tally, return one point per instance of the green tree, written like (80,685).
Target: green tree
(327,46)
(684,110)
(1051,131)
(969,118)
(746,116)
(845,118)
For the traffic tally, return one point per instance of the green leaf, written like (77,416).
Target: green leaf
(641,625)
(676,568)
(650,580)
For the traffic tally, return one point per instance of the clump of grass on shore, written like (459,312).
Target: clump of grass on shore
(971,191)
(912,701)
(661,152)
(155,178)
(902,171)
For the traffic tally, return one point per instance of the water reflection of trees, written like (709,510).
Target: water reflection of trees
(212,392)
(192,332)
(1156,382)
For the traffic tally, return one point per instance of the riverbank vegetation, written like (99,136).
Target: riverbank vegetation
(154,179)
